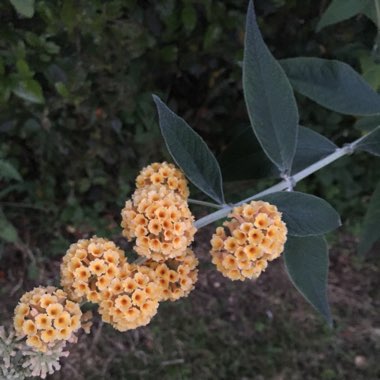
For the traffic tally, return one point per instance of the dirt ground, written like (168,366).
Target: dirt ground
(228,330)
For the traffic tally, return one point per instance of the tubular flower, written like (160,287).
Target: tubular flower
(88,268)
(132,299)
(161,222)
(254,235)
(45,317)
(163,174)
(176,277)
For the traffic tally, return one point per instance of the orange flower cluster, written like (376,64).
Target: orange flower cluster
(96,270)
(163,174)
(46,316)
(161,222)
(89,267)
(133,298)
(176,277)
(254,235)
(159,218)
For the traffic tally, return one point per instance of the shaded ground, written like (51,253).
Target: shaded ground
(230,330)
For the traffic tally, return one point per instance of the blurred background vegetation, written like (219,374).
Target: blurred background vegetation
(77,121)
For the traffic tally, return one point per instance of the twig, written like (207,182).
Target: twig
(283,185)
(22,205)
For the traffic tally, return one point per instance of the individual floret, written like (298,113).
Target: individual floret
(88,268)
(45,316)
(132,298)
(176,277)
(161,222)
(254,235)
(163,174)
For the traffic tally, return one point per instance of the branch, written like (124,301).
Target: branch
(283,185)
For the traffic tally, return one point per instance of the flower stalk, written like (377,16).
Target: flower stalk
(204,203)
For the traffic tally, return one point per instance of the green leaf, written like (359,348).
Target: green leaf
(33,271)
(212,35)
(8,171)
(311,147)
(269,98)
(370,232)
(24,7)
(189,17)
(340,10)
(370,11)
(304,214)
(370,68)
(370,143)
(69,14)
(307,263)
(332,84)
(23,68)
(29,90)
(244,159)
(62,89)
(190,152)
(367,124)
(7,230)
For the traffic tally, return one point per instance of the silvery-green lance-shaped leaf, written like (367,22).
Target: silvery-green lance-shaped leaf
(7,231)
(269,98)
(370,232)
(24,7)
(370,143)
(311,147)
(340,10)
(8,171)
(190,152)
(304,214)
(367,124)
(30,90)
(332,84)
(307,264)
(244,159)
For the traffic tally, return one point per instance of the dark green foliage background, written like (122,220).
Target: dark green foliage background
(79,148)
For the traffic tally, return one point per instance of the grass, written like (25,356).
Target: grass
(247,331)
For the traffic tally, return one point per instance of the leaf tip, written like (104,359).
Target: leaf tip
(156,98)
(251,14)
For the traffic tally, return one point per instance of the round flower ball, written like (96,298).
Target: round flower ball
(45,317)
(88,268)
(132,298)
(254,235)
(176,277)
(163,174)
(161,222)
